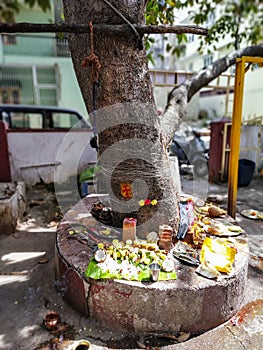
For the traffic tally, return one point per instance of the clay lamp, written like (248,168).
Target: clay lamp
(96,209)
(51,321)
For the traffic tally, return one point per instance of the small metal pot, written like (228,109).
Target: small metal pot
(81,345)
(154,271)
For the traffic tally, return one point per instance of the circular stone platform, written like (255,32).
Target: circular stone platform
(191,303)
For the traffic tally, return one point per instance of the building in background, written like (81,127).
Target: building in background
(36,68)
(215,101)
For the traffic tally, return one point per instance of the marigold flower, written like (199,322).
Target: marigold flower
(101,246)
(154,202)
(141,202)
(147,202)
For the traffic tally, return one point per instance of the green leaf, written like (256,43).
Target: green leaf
(43,4)
(9,8)
(151,39)
(95,272)
(88,174)
(168,47)
(161,56)
(150,58)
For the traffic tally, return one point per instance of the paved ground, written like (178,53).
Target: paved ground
(28,287)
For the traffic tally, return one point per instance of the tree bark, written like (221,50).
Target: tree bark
(121,104)
(120,29)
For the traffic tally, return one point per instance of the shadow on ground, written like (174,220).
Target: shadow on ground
(29,290)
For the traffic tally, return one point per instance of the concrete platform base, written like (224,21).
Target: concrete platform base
(12,205)
(191,303)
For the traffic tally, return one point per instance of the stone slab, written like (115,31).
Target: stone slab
(190,304)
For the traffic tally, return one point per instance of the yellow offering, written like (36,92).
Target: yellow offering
(218,253)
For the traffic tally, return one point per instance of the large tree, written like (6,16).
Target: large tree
(132,139)
(124,79)
(117,91)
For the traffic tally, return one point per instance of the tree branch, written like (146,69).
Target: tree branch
(179,97)
(122,29)
(209,73)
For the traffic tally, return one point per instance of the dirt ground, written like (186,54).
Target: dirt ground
(29,291)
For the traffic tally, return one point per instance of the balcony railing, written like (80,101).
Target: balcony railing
(35,45)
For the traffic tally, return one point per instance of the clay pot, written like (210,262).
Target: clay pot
(51,321)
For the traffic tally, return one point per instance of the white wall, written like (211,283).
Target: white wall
(161,95)
(252,98)
(253,94)
(37,155)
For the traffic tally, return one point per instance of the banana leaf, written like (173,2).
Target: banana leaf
(95,272)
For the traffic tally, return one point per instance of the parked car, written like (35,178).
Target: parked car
(41,117)
(45,143)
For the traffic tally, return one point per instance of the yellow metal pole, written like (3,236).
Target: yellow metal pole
(235,136)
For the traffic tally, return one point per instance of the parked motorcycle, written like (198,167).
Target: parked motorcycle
(190,149)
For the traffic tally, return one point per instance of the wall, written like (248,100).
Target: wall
(70,94)
(35,156)
(161,95)
(253,94)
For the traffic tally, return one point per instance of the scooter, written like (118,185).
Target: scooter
(189,148)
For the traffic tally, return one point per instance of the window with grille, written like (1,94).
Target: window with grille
(33,85)
(9,39)
(208,60)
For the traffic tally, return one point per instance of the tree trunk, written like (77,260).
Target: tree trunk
(131,151)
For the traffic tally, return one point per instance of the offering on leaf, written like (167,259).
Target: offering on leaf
(234,229)
(252,214)
(105,232)
(210,210)
(130,261)
(202,210)
(219,227)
